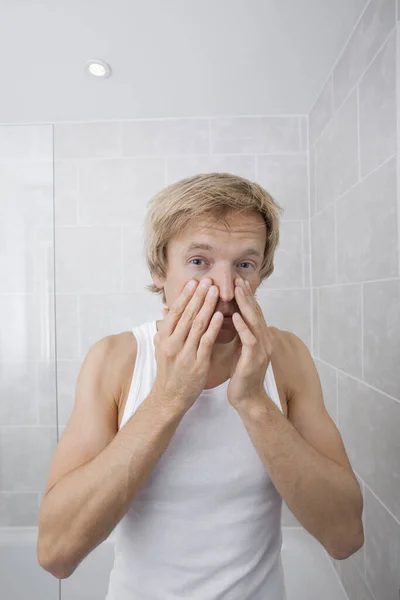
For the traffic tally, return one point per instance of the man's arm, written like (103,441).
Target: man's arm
(96,470)
(305,456)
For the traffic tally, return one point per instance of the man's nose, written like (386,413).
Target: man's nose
(226,286)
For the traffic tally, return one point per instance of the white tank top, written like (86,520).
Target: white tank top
(206,525)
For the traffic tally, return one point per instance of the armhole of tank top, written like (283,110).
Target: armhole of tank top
(134,389)
(271,383)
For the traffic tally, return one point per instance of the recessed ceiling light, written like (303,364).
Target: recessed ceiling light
(98,68)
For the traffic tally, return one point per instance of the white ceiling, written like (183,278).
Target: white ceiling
(170,58)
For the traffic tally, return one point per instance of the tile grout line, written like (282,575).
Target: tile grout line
(362,331)
(341,53)
(362,180)
(397,67)
(161,156)
(309,238)
(358,132)
(337,397)
(337,108)
(55,291)
(122,260)
(382,504)
(335,228)
(154,119)
(360,381)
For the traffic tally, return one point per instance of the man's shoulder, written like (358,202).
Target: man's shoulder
(116,354)
(291,359)
(286,344)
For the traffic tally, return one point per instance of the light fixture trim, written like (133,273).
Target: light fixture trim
(98,68)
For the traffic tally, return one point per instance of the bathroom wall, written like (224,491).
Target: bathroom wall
(355,282)
(28,407)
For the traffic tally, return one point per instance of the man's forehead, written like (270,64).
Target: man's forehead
(198,245)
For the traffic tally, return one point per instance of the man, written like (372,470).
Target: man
(187,432)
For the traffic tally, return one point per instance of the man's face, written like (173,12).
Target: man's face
(235,249)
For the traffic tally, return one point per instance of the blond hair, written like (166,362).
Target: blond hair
(210,195)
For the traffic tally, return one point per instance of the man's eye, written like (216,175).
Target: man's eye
(200,259)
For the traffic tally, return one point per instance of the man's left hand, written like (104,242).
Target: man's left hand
(253,355)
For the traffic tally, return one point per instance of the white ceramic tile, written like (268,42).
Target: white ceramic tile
(313,197)
(336,154)
(18,393)
(46,393)
(256,135)
(26,259)
(285,177)
(116,192)
(315,317)
(288,310)
(327,375)
(288,518)
(110,314)
(322,111)
(306,254)
(288,261)
(90,580)
(67,326)
(25,456)
(323,247)
(180,167)
(340,327)
(165,137)
(87,140)
(382,550)
(136,275)
(26,222)
(66,192)
(367,236)
(304,136)
(382,336)
(26,142)
(88,259)
(308,572)
(372,30)
(27,329)
(353,582)
(26,193)
(377,106)
(18,509)
(369,424)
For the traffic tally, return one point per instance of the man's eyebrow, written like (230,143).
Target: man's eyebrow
(247,251)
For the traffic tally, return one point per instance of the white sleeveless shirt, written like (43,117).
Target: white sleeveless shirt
(206,525)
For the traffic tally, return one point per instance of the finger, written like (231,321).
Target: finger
(178,306)
(203,300)
(207,340)
(246,337)
(249,314)
(202,320)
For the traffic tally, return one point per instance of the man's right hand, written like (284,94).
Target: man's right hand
(184,344)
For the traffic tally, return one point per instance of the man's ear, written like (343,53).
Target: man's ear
(158,281)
